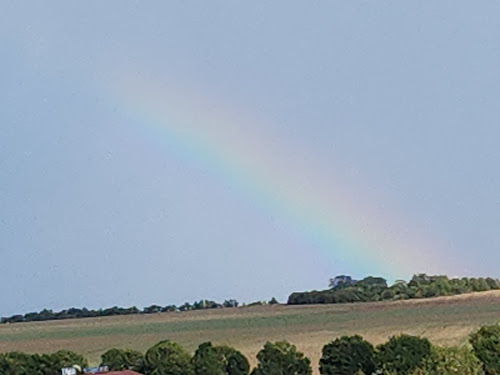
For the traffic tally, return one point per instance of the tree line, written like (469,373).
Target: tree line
(344,289)
(75,313)
(347,355)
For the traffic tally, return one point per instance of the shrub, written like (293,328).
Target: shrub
(282,358)
(486,344)
(403,354)
(347,356)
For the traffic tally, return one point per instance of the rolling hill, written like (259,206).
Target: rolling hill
(444,320)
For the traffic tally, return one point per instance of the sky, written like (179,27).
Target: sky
(164,152)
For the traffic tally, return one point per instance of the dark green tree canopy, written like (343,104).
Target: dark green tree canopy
(486,344)
(167,358)
(282,358)
(345,289)
(16,363)
(403,354)
(235,363)
(121,359)
(207,361)
(346,356)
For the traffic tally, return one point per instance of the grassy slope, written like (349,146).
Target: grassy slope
(445,321)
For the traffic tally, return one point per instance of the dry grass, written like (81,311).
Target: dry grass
(444,320)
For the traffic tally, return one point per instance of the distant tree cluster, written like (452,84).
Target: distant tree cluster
(75,313)
(347,355)
(344,289)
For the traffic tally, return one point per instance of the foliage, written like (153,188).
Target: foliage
(237,364)
(282,358)
(121,359)
(76,313)
(403,354)
(234,362)
(219,360)
(16,363)
(486,344)
(166,358)
(344,289)
(347,356)
(206,361)
(230,303)
(341,281)
(450,361)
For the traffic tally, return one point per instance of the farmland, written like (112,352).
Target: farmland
(444,320)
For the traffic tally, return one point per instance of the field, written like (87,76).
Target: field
(444,320)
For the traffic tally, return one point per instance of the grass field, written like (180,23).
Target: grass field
(444,320)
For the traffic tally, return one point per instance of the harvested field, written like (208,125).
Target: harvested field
(444,320)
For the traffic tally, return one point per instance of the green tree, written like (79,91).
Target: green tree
(121,359)
(486,344)
(451,361)
(14,363)
(235,363)
(166,358)
(207,361)
(373,287)
(65,358)
(492,283)
(282,358)
(403,354)
(346,356)
(230,303)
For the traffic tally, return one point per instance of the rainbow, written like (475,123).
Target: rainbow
(312,197)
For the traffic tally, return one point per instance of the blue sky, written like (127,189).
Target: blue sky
(391,107)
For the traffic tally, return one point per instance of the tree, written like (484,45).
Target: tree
(237,364)
(186,307)
(273,301)
(403,354)
(121,359)
(230,303)
(167,358)
(207,361)
(371,282)
(486,344)
(153,309)
(493,283)
(346,356)
(67,358)
(14,363)
(341,281)
(234,362)
(451,361)
(282,358)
